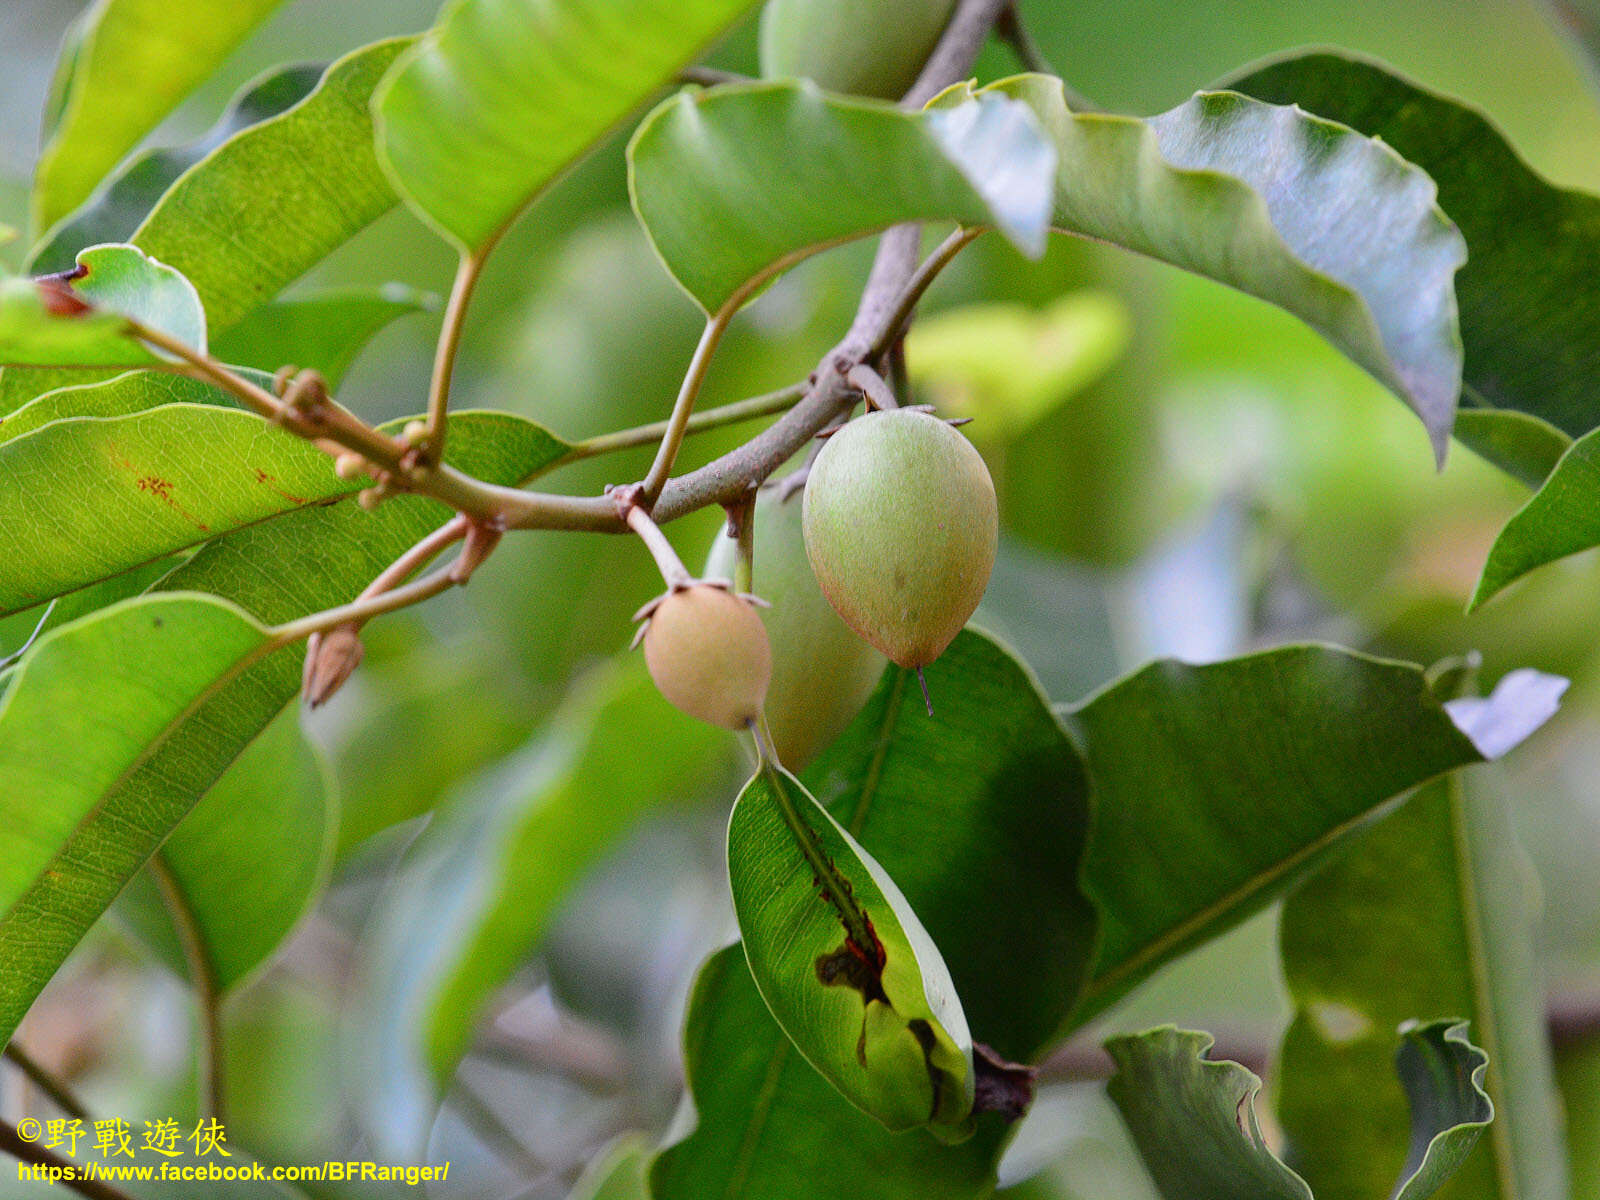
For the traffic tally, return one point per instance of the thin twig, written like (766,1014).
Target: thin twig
(444,359)
(208,995)
(1014,33)
(741,527)
(419,556)
(673,572)
(64,1169)
(957,49)
(331,423)
(55,1089)
(911,295)
(719,482)
(683,407)
(766,405)
(364,609)
(878,393)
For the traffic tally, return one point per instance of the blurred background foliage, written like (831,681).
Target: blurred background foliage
(1183,471)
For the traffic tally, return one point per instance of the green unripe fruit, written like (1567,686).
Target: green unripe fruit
(822,673)
(707,652)
(862,47)
(901,529)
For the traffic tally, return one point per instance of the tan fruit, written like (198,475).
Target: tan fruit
(901,529)
(822,673)
(862,47)
(707,652)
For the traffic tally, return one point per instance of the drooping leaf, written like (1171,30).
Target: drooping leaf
(484,881)
(129,194)
(1201,821)
(1195,1123)
(130,65)
(1428,911)
(738,183)
(1332,226)
(1531,334)
(1561,518)
(322,330)
(842,961)
(993,772)
(275,199)
(54,325)
(109,687)
(511,95)
(246,862)
(163,479)
(304,562)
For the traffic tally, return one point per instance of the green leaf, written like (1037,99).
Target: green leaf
(121,396)
(322,330)
(511,95)
(1199,822)
(130,66)
(1531,336)
(1561,518)
(111,687)
(484,881)
(842,961)
(47,324)
(163,479)
(302,563)
(1195,1124)
(246,862)
(768,1125)
(1334,227)
(1428,911)
(132,191)
(737,184)
(271,202)
(996,890)
(1522,445)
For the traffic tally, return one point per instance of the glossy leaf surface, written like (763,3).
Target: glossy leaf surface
(509,95)
(1202,820)
(128,195)
(270,203)
(1530,321)
(126,69)
(874,1011)
(86,324)
(736,184)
